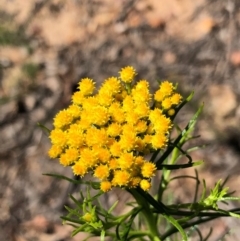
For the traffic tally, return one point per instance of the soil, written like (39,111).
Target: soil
(47,46)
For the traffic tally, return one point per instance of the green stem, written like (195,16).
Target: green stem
(147,214)
(138,234)
(128,87)
(166,174)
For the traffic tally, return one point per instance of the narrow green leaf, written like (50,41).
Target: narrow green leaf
(191,124)
(70,210)
(199,233)
(64,178)
(44,128)
(76,201)
(102,235)
(118,232)
(203,192)
(72,220)
(181,138)
(128,225)
(175,223)
(79,229)
(229,198)
(235,215)
(93,184)
(197,186)
(208,235)
(180,166)
(112,207)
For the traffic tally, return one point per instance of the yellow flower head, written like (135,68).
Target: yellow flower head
(139,161)
(55,151)
(78,98)
(74,111)
(62,119)
(142,85)
(89,217)
(145,185)
(100,115)
(113,164)
(159,96)
(121,178)
(103,154)
(167,103)
(114,129)
(58,137)
(134,182)
(101,172)
(116,113)
(140,145)
(171,112)
(141,95)
(166,88)
(86,86)
(127,74)
(142,110)
(132,118)
(105,99)
(89,158)
(108,133)
(89,102)
(176,99)
(80,169)
(75,137)
(163,125)
(154,115)
(128,104)
(105,186)
(148,169)
(159,141)
(128,141)
(70,156)
(115,149)
(111,86)
(126,160)
(96,137)
(141,126)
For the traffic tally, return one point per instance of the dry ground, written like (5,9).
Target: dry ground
(46,46)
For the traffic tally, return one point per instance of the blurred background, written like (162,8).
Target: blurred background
(47,46)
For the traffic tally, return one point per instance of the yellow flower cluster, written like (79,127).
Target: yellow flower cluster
(108,133)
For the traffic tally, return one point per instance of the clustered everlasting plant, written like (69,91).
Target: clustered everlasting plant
(110,132)
(121,135)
